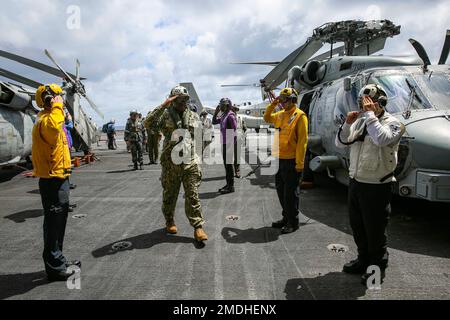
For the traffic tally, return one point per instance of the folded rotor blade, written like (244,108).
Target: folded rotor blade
(93,105)
(67,76)
(421,51)
(327,54)
(296,58)
(445,49)
(260,63)
(78,71)
(33,64)
(19,78)
(239,85)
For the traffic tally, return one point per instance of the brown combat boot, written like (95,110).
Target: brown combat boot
(171,227)
(200,235)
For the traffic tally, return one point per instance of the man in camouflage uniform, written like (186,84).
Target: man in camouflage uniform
(179,159)
(153,144)
(135,136)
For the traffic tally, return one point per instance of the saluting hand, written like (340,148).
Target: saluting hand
(170,100)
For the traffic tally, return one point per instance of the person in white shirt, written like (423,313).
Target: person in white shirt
(208,129)
(242,139)
(373,136)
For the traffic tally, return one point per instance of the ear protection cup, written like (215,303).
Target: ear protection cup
(375,92)
(382,101)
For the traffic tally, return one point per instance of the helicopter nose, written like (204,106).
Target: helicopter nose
(431,143)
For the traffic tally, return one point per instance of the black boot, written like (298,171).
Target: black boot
(279,224)
(355,267)
(366,277)
(289,228)
(135,166)
(60,276)
(141,166)
(224,188)
(227,189)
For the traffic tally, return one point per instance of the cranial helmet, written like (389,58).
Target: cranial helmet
(376,92)
(179,91)
(226,102)
(46,90)
(288,94)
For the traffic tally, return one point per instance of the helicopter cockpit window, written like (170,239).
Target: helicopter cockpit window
(437,88)
(400,88)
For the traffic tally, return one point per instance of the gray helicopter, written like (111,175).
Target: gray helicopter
(418,95)
(18,113)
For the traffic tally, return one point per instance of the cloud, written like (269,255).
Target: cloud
(133,52)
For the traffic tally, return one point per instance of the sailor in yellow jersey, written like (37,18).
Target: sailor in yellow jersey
(52,164)
(291,138)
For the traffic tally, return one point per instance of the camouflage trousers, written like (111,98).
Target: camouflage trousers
(171,178)
(136,152)
(153,147)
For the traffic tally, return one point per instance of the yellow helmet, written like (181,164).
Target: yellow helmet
(51,88)
(289,92)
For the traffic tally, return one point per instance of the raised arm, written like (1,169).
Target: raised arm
(55,121)
(344,132)
(216,120)
(153,117)
(270,116)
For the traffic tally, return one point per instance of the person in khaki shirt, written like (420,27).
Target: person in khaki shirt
(291,139)
(52,164)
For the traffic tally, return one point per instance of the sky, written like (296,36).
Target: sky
(133,52)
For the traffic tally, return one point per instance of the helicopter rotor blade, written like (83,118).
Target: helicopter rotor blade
(19,78)
(239,85)
(33,64)
(78,70)
(259,63)
(421,51)
(93,105)
(298,57)
(78,85)
(445,49)
(67,76)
